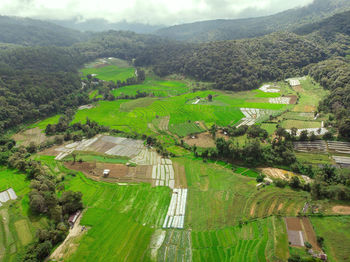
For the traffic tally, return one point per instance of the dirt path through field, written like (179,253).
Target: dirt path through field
(67,245)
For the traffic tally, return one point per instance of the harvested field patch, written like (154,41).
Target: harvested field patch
(298,89)
(295,231)
(277,173)
(201,140)
(293,99)
(180,175)
(310,233)
(339,147)
(164,123)
(118,172)
(33,135)
(343,210)
(280,100)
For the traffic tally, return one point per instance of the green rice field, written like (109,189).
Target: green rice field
(336,232)
(110,72)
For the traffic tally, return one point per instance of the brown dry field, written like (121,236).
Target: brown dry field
(310,233)
(180,176)
(34,135)
(293,99)
(164,123)
(204,140)
(343,210)
(293,223)
(118,172)
(309,109)
(51,151)
(298,88)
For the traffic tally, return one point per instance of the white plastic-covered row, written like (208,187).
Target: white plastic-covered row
(251,115)
(176,212)
(317,131)
(7,195)
(280,100)
(268,89)
(163,175)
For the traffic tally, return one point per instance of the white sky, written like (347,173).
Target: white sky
(167,12)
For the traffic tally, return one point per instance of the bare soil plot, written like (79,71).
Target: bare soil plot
(201,140)
(180,176)
(310,233)
(342,210)
(298,89)
(118,172)
(34,135)
(294,230)
(293,99)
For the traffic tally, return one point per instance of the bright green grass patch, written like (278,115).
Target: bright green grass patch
(184,129)
(42,124)
(255,241)
(310,97)
(11,178)
(90,157)
(122,218)
(93,94)
(269,127)
(336,234)
(154,87)
(259,93)
(110,73)
(313,159)
(250,173)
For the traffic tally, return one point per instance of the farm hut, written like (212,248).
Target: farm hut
(106,172)
(73,218)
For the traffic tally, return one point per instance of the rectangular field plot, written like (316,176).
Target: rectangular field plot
(339,147)
(176,213)
(122,219)
(307,146)
(336,234)
(173,245)
(342,161)
(261,240)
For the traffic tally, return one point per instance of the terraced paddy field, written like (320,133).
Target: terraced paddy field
(218,198)
(260,240)
(336,233)
(17,226)
(122,219)
(129,115)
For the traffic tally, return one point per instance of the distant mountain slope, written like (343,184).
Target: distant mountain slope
(30,32)
(252,27)
(339,23)
(99,25)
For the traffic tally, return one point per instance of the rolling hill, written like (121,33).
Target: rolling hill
(216,30)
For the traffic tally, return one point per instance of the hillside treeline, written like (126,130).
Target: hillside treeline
(37,82)
(235,65)
(334,75)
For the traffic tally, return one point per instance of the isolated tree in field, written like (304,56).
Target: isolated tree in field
(212,130)
(294,131)
(294,182)
(210,97)
(74,155)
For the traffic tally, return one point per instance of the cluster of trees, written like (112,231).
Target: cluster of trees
(334,75)
(75,131)
(43,199)
(331,183)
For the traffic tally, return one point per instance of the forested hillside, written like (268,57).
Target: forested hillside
(31,32)
(215,30)
(236,65)
(334,75)
(37,82)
